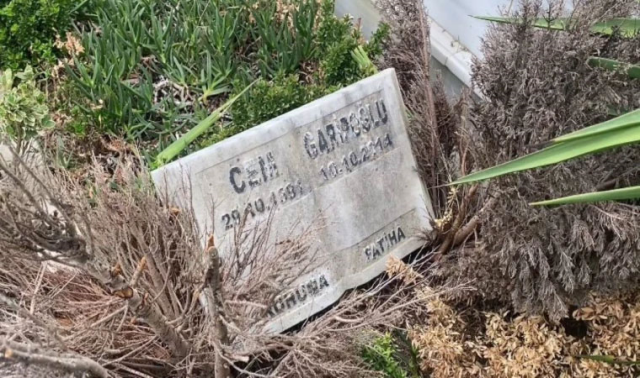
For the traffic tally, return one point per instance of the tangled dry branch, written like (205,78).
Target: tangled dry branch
(104,271)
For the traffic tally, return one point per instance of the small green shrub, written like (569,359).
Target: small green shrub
(381,356)
(339,67)
(28,29)
(266,100)
(23,109)
(269,99)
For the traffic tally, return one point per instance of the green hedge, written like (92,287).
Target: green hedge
(28,29)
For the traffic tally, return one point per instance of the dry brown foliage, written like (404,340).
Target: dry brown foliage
(432,122)
(444,349)
(103,271)
(529,346)
(537,85)
(439,131)
(463,342)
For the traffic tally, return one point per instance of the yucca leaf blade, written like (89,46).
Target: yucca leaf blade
(179,145)
(625,120)
(610,195)
(558,153)
(629,27)
(632,71)
(558,24)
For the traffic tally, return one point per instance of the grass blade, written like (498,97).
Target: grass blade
(629,27)
(179,145)
(610,360)
(560,152)
(558,24)
(625,120)
(632,71)
(610,195)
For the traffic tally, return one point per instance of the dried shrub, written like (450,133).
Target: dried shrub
(528,346)
(332,345)
(123,273)
(435,329)
(101,263)
(441,343)
(438,129)
(537,85)
(30,371)
(104,270)
(525,347)
(613,328)
(433,123)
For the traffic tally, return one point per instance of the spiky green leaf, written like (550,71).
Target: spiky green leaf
(558,24)
(560,152)
(364,62)
(629,27)
(610,195)
(625,120)
(631,70)
(179,145)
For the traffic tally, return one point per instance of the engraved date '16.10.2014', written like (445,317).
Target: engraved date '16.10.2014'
(358,123)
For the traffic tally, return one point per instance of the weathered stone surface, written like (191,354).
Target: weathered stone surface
(345,158)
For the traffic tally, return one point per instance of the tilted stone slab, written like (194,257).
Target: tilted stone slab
(345,158)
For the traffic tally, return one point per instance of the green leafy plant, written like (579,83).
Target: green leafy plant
(179,145)
(28,29)
(394,355)
(380,356)
(365,64)
(152,69)
(23,109)
(620,131)
(269,99)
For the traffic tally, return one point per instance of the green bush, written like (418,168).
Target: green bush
(153,69)
(269,99)
(23,111)
(337,68)
(28,29)
(381,356)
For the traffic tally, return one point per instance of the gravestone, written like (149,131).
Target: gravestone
(345,158)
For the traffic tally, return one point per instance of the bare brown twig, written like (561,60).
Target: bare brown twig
(35,355)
